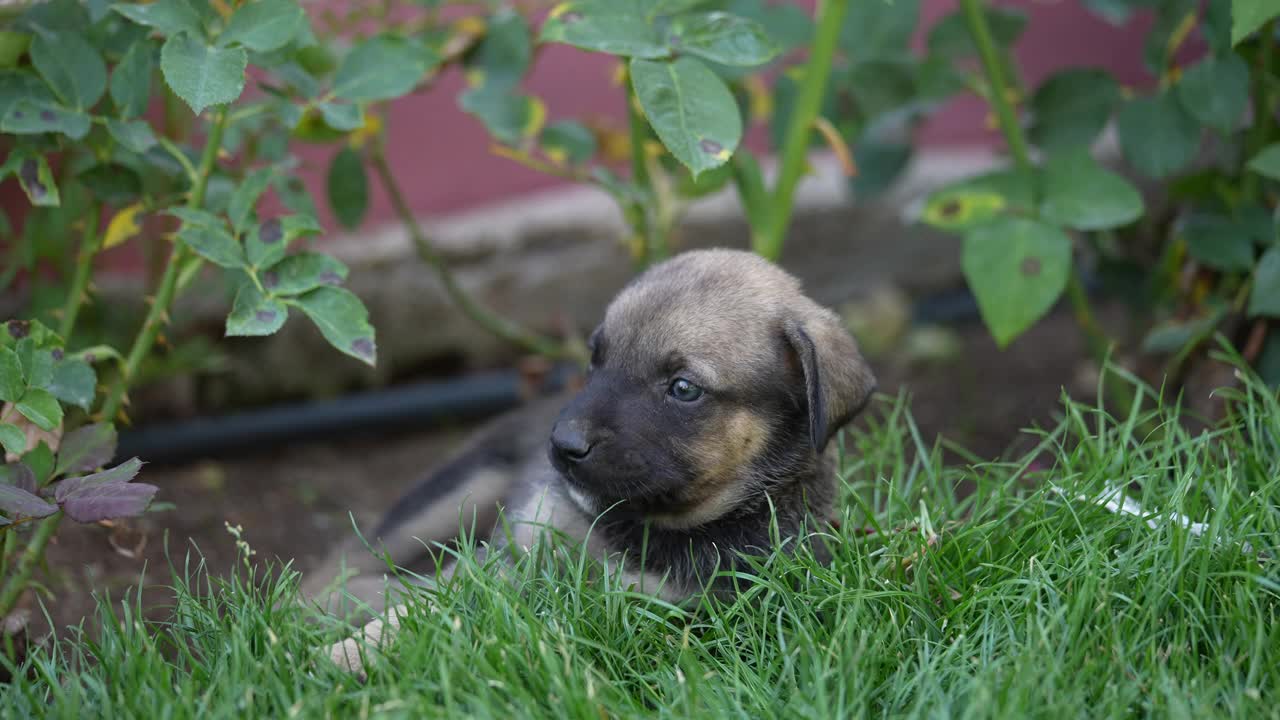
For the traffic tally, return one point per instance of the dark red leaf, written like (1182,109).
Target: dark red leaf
(105,502)
(86,448)
(120,474)
(20,502)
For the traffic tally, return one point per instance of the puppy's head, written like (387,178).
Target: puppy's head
(712,377)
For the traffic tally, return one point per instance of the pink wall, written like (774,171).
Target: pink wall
(442,159)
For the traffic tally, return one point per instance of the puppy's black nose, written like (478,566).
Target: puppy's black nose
(569,442)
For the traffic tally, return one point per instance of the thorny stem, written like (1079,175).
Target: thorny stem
(158,313)
(76,295)
(142,344)
(997,87)
(495,324)
(795,147)
(14,586)
(650,232)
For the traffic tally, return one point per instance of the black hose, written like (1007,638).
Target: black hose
(401,408)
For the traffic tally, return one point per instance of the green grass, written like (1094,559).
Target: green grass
(1013,599)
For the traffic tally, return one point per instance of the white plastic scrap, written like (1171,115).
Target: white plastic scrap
(1114,500)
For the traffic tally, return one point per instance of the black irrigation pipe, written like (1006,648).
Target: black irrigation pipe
(401,408)
(397,409)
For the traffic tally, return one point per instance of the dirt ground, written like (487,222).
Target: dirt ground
(292,502)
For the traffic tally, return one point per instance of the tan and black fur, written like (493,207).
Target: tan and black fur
(637,459)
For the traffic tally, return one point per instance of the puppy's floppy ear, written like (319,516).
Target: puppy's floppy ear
(838,382)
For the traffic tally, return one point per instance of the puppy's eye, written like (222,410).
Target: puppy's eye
(684,391)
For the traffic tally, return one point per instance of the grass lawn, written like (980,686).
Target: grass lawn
(974,590)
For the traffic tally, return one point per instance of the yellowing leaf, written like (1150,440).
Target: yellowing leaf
(371,128)
(536,119)
(123,226)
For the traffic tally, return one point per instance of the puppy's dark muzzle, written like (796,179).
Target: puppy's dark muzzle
(570,444)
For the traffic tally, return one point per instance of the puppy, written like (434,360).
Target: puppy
(714,389)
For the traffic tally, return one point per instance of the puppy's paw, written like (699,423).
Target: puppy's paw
(352,653)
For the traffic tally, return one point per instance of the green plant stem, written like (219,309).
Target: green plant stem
(976,19)
(795,146)
(655,242)
(14,585)
(491,322)
(158,313)
(142,344)
(84,267)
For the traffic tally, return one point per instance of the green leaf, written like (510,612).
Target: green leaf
(348,187)
(1172,18)
(1264,299)
(879,164)
(1175,336)
(303,272)
(214,244)
(1216,91)
(1248,16)
(12,381)
(170,17)
(690,109)
(255,315)
(880,87)
(1267,161)
(41,407)
(37,362)
(509,118)
(343,321)
(20,85)
(1157,135)
(1078,193)
(201,74)
(722,38)
(617,28)
(136,135)
(112,183)
(195,216)
(264,26)
(1219,242)
(1017,269)
(74,383)
(342,117)
(568,141)
(131,80)
(1215,26)
(1071,108)
(39,460)
(879,29)
(72,67)
(950,36)
(293,194)
(12,439)
(31,117)
(502,56)
(382,68)
(245,198)
(36,179)
(268,240)
(1115,12)
(789,25)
